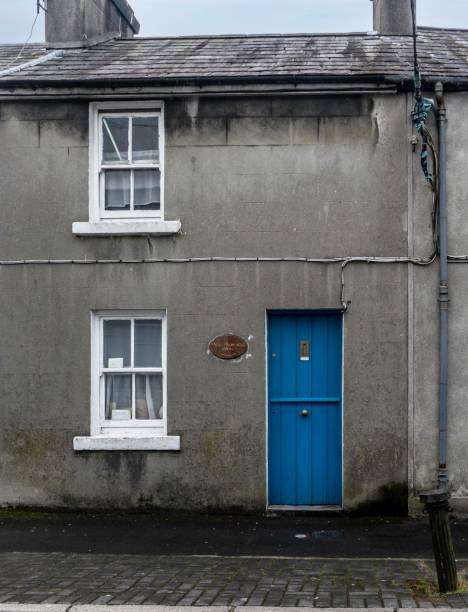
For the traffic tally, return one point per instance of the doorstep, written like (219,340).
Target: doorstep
(303,509)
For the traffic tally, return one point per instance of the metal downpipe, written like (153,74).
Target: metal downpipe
(443,286)
(437,502)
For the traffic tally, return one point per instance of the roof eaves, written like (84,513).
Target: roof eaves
(401,82)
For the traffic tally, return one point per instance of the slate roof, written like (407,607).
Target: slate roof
(10,54)
(320,57)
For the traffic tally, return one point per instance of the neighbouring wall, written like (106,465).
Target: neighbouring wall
(424,336)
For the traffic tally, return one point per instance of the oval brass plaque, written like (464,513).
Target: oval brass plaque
(228,347)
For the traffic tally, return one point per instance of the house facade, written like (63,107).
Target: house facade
(218,289)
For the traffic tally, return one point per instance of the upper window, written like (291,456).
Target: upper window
(126,161)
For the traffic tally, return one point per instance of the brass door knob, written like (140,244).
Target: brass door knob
(305,413)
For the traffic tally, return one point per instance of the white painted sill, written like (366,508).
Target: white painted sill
(126,228)
(121,443)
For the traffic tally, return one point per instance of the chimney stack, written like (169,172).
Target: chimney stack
(393,17)
(81,23)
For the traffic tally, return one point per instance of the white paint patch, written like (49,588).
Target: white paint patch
(300,536)
(192,108)
(461,493)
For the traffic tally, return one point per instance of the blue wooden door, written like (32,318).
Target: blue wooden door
(304,432)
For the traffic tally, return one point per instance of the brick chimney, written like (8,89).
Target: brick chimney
(81,23)
(393,17)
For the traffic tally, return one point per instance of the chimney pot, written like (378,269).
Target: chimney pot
(393,17)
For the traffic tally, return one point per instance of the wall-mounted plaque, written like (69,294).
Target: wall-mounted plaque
(228,347)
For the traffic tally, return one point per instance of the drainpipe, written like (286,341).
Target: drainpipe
(443,287)
(437,502)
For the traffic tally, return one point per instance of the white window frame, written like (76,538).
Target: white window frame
(99,424)
(124,435)
(97,110)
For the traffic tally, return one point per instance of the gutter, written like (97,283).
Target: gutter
(197,81)
(401,83)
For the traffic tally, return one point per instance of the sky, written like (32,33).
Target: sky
(185,17)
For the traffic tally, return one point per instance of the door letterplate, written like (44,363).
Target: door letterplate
(305,350)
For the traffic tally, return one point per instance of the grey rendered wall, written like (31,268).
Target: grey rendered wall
(425,338)
(259,177)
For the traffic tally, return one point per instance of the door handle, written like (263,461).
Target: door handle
(305,413)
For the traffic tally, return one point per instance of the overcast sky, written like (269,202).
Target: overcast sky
(178,17)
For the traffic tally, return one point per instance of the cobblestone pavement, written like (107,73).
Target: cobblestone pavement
(207,580)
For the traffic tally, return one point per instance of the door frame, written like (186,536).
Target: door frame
(299,311)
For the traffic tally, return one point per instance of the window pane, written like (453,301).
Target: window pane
(148,396)
(145,139)
(118,397)
(147,192)
(115,139)
(117,189)
(147,344)
(117,344)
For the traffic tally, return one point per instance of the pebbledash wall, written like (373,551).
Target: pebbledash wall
(264,176)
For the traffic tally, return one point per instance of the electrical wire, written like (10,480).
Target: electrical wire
(422,108)
(420,261)
(435,191)
(415,34)
(344,261)
(24,46)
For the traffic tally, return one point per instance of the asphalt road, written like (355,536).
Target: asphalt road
(175,534)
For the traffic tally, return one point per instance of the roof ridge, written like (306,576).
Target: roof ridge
(249,35)
(434,29)
(243,36)
(18,44)
(281,35)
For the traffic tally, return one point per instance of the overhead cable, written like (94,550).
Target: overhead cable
(344,261)
(14,60)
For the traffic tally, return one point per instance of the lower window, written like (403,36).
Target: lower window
(128,373)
